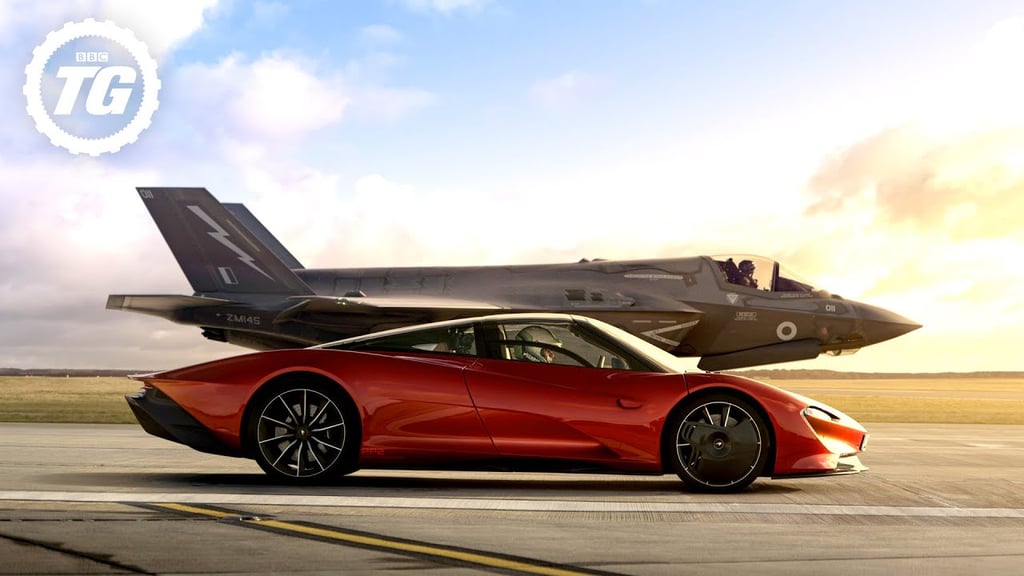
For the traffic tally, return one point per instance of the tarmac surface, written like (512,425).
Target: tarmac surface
(110,499)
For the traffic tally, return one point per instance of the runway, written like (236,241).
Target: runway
(109,499)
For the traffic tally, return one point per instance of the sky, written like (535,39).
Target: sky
(877,148)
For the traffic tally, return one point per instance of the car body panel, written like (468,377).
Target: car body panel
(537,410)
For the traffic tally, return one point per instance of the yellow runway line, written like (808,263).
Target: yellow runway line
(523,566)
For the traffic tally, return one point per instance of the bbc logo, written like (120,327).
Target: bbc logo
(91,57)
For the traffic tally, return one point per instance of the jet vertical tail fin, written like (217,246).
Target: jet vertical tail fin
(218,253)
(251,223)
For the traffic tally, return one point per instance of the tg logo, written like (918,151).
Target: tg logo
(100,92)
(117,107)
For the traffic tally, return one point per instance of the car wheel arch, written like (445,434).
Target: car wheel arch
(280,382)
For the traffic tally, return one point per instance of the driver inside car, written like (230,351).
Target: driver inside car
(537,353)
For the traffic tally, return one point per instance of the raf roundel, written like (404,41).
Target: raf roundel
(95,104)
(786,331)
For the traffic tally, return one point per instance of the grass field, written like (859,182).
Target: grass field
(967,400)
(52,399)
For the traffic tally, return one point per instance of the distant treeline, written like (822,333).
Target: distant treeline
(756,374)
(833,375)
(68,372)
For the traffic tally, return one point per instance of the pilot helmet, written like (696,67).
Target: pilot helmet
(747,267)
(538,334)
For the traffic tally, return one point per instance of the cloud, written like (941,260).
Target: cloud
(273,99)
(369,221)
(562,91)
(968,186)
(68,234)
(72,229)
(278,100)
(68,224)
(928,226)
(27,19)
(373,99)
(924,217)
(161,24)
(62,221)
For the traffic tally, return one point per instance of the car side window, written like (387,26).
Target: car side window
(559,344)
(458,340)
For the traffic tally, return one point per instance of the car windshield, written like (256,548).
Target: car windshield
(651,352)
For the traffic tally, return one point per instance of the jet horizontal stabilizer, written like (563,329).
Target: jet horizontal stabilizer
(771,354)
(162,305)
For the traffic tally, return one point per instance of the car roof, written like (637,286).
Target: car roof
(521,317)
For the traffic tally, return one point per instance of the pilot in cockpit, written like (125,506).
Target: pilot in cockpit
(747,274)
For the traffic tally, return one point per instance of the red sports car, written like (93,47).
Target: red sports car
(539,392)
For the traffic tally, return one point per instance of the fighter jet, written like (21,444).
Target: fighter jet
(732,311)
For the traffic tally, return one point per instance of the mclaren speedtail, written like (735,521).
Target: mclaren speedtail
(536,392)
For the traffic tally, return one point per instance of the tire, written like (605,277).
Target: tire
(304,431)
(717,443)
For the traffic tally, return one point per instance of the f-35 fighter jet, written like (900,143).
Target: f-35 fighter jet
(732,311)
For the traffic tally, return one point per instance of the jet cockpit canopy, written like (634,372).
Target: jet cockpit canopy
(762,274)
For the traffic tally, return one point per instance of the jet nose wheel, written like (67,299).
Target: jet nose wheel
(719,444)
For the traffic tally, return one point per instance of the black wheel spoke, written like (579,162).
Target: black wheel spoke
(288,410)
(305,408)
(298,458)
(284,452)
(328,445)
(285,425)
(320,414)
(328,427)
(276,438)
(309,448)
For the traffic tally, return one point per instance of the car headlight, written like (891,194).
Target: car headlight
(815,412)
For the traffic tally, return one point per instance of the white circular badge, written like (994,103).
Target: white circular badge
(786,330)
(91,87)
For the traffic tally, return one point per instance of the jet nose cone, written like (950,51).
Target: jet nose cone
(878,324)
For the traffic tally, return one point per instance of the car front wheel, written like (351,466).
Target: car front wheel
(718,443)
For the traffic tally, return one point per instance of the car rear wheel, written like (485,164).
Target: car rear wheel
(718,443)
(303,432)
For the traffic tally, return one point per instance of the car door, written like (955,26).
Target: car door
(569,408)
(418,410)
